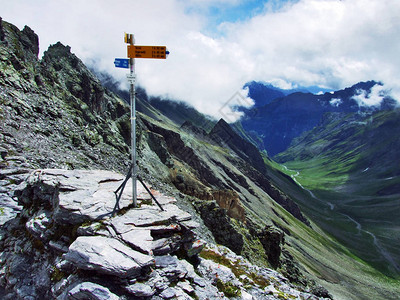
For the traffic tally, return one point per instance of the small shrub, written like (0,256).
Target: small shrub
(56,274)
(230,290)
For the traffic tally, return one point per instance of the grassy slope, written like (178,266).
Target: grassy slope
(323,255)
(351,169)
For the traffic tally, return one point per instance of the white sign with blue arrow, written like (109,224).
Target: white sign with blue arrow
(121,63)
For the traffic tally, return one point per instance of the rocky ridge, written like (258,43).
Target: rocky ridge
(66,243)
(55,109)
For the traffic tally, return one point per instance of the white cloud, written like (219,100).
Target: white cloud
(329,43)
(371,98)
(335,102)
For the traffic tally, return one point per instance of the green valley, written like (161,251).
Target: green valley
(350,167)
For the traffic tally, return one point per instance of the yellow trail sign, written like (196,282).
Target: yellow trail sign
(159,52)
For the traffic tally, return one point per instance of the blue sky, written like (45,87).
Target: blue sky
(239,11)
(218,45)
(222,12)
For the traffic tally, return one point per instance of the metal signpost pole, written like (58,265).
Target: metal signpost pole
(131,79)
(157,52)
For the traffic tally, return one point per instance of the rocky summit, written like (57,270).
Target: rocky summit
(67,242)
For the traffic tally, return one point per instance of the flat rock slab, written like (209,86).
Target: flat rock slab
(150,216)
(76,196)
(139,239)
(107,256)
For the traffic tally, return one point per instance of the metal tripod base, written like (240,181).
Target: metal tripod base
(118,192)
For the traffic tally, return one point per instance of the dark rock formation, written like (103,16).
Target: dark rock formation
(30,41)
(223,134)
(158,145)
(217,220)
(77,78)
(1,30)
(188,126)
(272,241)
(178,148)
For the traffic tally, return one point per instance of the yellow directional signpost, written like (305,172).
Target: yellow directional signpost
(157,52)
(134,51)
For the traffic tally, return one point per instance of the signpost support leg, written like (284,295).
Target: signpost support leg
(133,125)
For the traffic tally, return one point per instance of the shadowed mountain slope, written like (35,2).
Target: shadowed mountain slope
(281,120)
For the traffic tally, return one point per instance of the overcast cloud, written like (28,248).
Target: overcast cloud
(329,43)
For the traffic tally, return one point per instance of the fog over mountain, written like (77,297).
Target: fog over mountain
(217,46)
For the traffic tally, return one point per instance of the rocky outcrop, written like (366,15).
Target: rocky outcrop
(230,201)
(107,256)
(197,131)
(54,111)
(272,241)
(13,171)
(218,221)
(67,244)
(67,221)
(73,74)
(157,143)
(177,147)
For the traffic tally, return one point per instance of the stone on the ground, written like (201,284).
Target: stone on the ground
(195,247)
(185,286)
(140,290)
(139,239)
(108,256)
(152,216)
(168,293)
(92,291)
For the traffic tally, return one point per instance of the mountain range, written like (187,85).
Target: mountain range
(283,115)
(56,113)
(344,152)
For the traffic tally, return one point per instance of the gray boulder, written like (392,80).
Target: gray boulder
(107,256)
(140,290)
(90,291)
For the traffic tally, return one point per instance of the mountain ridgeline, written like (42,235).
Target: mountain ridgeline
(281,118)
(57,114)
